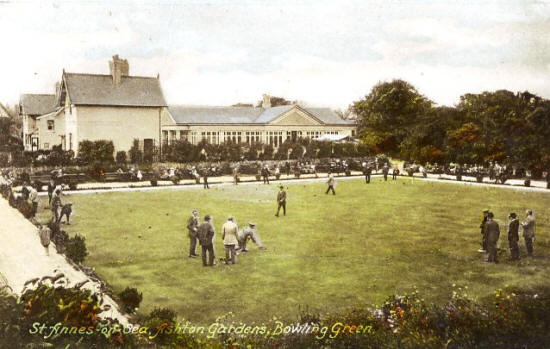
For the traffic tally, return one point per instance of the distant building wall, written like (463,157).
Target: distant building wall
(267,134)
(119,124)
(51,130)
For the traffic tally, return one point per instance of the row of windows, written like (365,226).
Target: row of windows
(274,138)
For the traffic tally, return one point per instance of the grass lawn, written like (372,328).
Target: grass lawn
(329,253)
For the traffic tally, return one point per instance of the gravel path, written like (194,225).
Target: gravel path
(23,258)
(91,188)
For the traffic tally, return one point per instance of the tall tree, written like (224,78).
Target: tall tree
(387,115)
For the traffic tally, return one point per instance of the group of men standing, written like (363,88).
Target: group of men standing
(234,240)
(490,232)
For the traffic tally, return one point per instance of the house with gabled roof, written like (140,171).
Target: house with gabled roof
(116,107)
(31,106)
(242,124)
(123,108)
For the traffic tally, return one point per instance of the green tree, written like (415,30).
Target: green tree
(9,141)
(388,114)
(136,156)
(121,157)
(426,141)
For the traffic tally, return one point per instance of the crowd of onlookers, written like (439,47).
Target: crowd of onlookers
(493,170)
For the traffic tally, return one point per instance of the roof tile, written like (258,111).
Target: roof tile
(133,91)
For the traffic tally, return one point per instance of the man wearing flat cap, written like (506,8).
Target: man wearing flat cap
(513,236)
(249,232)
(206,236)
(281,201)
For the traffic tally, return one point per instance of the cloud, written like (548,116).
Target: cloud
(323,52)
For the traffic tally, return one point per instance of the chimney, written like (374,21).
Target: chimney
(119,68)
(267,101)
(57,91)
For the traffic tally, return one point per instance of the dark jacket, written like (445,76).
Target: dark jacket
(493,231)
(193,225)
(205,234)
(482,225)
(281,196)
(513,230)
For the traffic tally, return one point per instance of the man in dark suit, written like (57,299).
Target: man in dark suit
(205,178)
(483,248)
(193,228)
(205,235)
(281,201)
(513,236)
(368,171)
(395,173)
(385,171)
(493,233)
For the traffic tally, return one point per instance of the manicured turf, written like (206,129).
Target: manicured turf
(327,254)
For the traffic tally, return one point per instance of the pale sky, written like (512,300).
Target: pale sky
(325,53)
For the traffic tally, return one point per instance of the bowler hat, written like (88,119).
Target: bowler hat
(251,224)
(513,215)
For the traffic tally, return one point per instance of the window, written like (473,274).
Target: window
(51,126)
(46,145)
(212,137)
(172,136)
(183,135)
(275,138)
(70,141)
(165,137)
